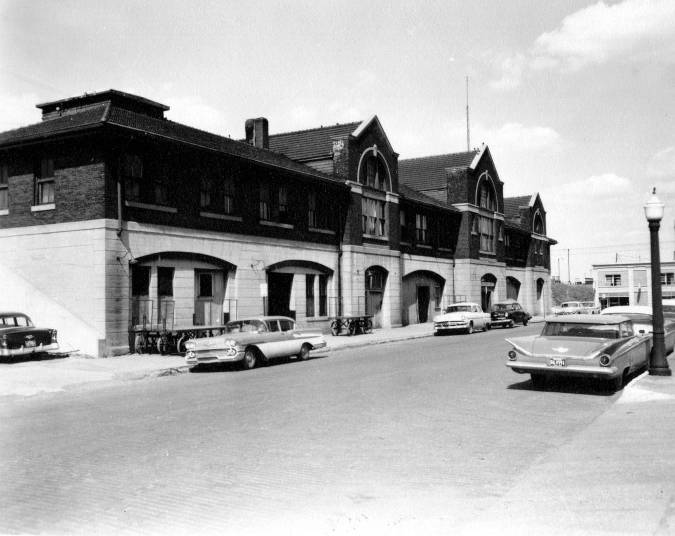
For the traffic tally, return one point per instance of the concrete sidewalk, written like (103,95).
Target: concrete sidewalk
(52,375)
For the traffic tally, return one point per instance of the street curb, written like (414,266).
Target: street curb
(378,341)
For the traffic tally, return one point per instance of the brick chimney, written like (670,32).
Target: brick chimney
(257,132)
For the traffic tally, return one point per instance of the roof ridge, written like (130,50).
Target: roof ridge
(473,151)
(316,128)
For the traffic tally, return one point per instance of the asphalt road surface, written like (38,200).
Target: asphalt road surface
(411,437)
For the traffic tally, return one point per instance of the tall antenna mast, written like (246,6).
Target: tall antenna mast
(468,138)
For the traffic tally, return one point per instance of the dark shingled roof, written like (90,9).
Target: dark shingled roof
(429,172)
(408,193)
(104,113)
(310,144)
(512,205)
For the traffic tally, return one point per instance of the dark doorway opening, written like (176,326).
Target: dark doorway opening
(423,299)
(279,286)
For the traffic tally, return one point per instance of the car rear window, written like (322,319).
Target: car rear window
(568,329)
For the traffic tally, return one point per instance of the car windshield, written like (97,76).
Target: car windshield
(501,307)
(573,329)
(15,320)
(245,326)
(637,318)
(458,309)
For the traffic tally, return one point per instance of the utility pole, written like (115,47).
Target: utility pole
(468,138)
(569,276)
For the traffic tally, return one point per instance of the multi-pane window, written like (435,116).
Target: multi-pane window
(487,197)
(421,230)
(160,191)
(374,172)
(405,233)
(668,278)
(4,187)
(323,295)
(205,192)
(44,182)
(613,280)
(273,203)
(228,196)
(132,172)
(487,234)
(309,295)
(320,210)
(538,224)
(373,220)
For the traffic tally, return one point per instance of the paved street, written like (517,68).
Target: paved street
(420,436)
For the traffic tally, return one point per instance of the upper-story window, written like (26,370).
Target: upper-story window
(668,278)
(373,220)
(44,182)
(217,196)
(205,192)
(487,234)
(319,211)
(4,187)
(486,199)
(132,173)
(405,232)
(613,280)
(538,224)
(373,170)
(273,203)
(421,229)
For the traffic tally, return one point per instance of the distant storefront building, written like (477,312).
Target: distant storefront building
(630,283)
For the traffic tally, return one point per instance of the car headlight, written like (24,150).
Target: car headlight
(512,355)
(604,360)
(190,345)
(231,342)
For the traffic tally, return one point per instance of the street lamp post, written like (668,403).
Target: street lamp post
(658,364)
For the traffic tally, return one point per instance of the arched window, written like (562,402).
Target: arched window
(373,170)
(538,224)
(486,197)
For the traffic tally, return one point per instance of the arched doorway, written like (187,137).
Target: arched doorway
(421,293)
(487,286)
(512,288)
(540,296)
(376,281)
(298,289)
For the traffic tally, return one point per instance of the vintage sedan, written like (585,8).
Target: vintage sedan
(605,347)
(20,338)
(569,308)
(251,341)
(507,313)
(463,316)
(641,315)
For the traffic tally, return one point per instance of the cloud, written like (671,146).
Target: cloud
(18,110)
(594,35)
(603,186)
(518,137)
(195,112)
(662,165)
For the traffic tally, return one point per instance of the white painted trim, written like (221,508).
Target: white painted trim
(356,188)
(494,190)
(322,231)
(267,223)
(373,150)
(477,158)
(149,206)
(41,208)
(392,197)
(362,127)
(4,212)
(217,216)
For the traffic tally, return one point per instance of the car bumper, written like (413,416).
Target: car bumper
(449,326)
(571,370)
(211,356)
(318,345)
(17,352)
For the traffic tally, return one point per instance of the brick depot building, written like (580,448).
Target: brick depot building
(112,215)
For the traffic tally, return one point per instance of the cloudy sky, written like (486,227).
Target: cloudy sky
(574,98)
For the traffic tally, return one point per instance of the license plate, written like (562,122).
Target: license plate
(29,344)
(556,362)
